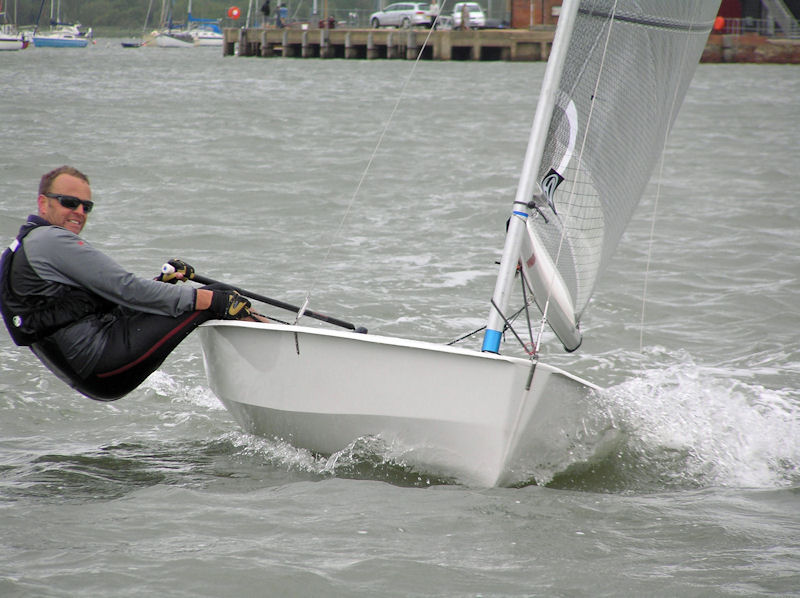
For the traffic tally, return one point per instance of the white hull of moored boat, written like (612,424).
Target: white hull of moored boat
(207,40)
(480,418)
(167,40)
(11,42)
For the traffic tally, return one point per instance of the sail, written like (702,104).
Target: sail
(626,71)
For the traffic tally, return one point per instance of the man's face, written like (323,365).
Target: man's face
(52,210)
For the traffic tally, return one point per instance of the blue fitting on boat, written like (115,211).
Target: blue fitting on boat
(523,214)
(491,341)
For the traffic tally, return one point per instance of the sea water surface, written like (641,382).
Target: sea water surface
(254,171)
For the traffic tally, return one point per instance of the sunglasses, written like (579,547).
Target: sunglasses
(70,202)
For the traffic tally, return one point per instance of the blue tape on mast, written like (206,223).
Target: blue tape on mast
(491,341)
(523,214)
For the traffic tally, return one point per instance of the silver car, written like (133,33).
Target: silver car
(402,14)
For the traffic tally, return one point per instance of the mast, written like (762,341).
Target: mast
(38,16)
(517,227)
(147,19)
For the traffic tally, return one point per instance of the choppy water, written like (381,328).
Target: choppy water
(245,168)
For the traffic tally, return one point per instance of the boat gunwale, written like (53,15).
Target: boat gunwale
(394,341)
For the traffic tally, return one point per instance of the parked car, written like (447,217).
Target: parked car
(402,14)
(477,18)
(444,22)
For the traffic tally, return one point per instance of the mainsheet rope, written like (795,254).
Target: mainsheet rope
(367,168)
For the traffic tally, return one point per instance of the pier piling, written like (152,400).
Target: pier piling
(370,44)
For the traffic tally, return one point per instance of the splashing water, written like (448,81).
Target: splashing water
(689,425)
(367,458)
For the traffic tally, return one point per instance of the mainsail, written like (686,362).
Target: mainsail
(614,96)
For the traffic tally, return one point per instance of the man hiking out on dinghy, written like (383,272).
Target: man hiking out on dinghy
(95,325)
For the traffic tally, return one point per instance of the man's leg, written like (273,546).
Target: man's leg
(138,344)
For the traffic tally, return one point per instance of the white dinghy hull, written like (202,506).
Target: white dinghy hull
(476,417)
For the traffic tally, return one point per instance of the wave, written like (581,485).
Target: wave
(685,425)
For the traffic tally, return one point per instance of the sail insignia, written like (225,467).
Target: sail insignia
(549,184)
(554,178)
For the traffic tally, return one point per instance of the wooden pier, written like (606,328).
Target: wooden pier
(483,44)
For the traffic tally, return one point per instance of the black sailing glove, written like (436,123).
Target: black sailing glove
(177,267)
(229,305)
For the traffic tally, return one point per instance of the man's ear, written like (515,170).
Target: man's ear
(42,204)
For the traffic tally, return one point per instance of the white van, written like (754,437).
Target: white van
(477,18)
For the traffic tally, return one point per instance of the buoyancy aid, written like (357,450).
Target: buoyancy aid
(31,318)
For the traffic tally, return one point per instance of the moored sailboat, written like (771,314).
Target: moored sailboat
(613,85)
(195,32)
(170,34)
(142,41)
(10,37)
(60,34)
(204,32)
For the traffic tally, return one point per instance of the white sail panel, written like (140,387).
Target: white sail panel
(627,69)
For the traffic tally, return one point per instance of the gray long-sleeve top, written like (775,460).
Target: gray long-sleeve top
(60,257)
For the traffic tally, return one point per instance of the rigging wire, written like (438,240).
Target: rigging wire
(672,116)
(510,319)
(367,168)
(532,351)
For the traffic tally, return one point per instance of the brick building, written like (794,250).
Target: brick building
(527,14)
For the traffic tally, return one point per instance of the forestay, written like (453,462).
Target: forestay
(614,96)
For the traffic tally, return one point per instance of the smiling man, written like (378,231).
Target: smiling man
(97,326)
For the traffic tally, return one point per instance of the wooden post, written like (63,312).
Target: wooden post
(728,51)
(436,45)
(325,43)
(391,49)
(446,50)
(411,45)
(305,49)
(244,49)
(266,49)
(228,44)
(372,51)
(286,49)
